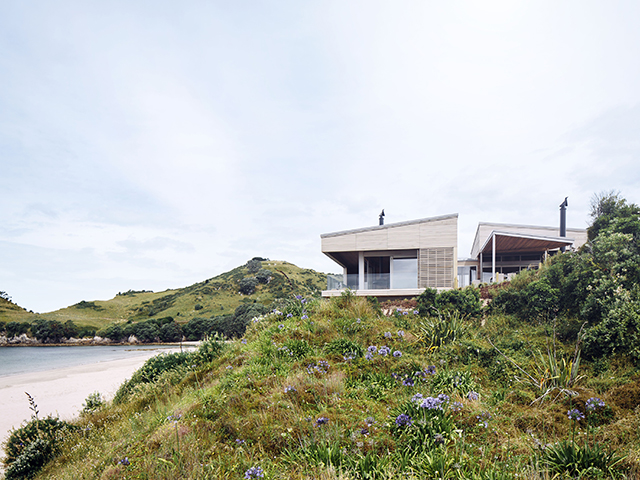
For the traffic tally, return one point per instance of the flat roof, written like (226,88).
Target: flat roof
(390,225)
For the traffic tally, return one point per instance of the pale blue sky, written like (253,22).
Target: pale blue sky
(151,145)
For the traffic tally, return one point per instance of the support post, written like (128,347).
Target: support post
(493,257)
(360,270)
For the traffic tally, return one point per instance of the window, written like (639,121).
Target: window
(405,273)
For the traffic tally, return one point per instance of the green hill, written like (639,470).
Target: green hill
(216,296)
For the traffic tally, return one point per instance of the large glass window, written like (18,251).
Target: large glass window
(405,273)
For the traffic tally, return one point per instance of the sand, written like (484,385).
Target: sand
(63,391)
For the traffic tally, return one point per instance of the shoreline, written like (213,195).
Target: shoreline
(61,392)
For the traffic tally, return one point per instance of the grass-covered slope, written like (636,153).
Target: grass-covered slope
(335,390)
(215,296)
(10,312)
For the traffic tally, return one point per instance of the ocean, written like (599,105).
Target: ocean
(19,360)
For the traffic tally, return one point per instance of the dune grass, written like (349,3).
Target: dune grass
(306,395)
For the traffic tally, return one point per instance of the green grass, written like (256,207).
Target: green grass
(215,296)
(257,405)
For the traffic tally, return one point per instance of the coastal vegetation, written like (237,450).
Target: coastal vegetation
(220,304)
(537,378)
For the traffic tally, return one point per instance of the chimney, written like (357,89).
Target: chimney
(563,220)
(382,217)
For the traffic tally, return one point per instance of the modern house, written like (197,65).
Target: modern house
(501,250)
(400,260)
(395,260)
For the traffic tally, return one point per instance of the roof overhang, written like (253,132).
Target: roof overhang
(516,242)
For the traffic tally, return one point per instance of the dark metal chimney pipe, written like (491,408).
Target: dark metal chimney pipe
(382,217)
(563,220)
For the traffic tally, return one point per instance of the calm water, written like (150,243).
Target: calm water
(16,360)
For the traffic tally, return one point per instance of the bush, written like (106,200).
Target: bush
(170,332)
(112,331)
(31,460)
(23,460)
(93,402)
(247,286)
(465,301)
(619,333)
(254,265)
(15,329)
(263,275)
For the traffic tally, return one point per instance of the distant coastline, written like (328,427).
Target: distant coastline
(26,341)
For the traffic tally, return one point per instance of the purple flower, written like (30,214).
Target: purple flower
(372,349)
(254,472)
(239,441)
(417,398)
(401,333)
(281,326)
(403,420)
(304,317)
(368,356)
(443,398)
(430,370)
(387,334)
(244,341)
(408,382)
(289,389)
(364,431)
(298,297)
(124,461)
(416,312)
(384,351)
(431,403)
(593,403)
(322,421)
(473,396)
(575,414)
(397,354)
(456,406)
(289,315)
(369,421)
(405,313)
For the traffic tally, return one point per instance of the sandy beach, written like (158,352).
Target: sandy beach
(63,391)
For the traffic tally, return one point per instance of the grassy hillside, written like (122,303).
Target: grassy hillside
(215,296)
(332,389)
(10,312)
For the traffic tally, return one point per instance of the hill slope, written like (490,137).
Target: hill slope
(215,296)
(332,389)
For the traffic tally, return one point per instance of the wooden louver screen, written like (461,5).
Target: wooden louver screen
(435,268)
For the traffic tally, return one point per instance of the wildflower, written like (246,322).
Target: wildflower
(304,317)
(298,297)
(229,367)
(401,333)
(255,320)
(416,312)
(322,421)
(408,382)
(387,334)
(124,461)
(281,326)
(384,351)
(254,472)
(456,406)
(304,300)
(358,320)
(417,398)
(594,403)
(289,315)
(430,370)
(397,354)
(438,439)
(405,313)
(372,349)
(348,358)
(239,441)
(369,421)
(289,389)
(443,398)
(244,341)
(473,396)
(575,414)
(368,356)
(403,420)
(431,403)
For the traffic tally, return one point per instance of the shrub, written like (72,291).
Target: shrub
(264,275)
(587,461)
(445,328)
(170,332)
(15,329)
(30,461)
(112,331)
(93,402)
(254,265)
(247,285)
(345,347)
(465,301)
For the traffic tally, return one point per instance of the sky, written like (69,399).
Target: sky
(155,144)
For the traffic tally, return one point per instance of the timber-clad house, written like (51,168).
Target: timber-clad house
(401,260)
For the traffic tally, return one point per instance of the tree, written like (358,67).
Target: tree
(247,285)
(5,296)
(254,265)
